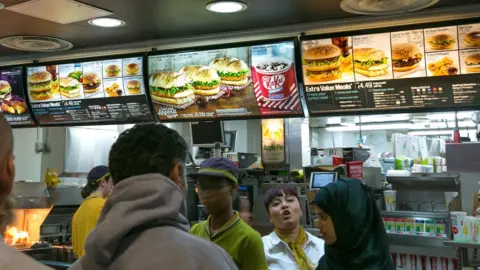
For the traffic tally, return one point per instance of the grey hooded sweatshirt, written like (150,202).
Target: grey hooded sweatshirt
(143,226)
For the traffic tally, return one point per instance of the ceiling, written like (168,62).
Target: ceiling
(167,19)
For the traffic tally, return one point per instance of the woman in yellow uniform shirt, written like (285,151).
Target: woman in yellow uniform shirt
(85,219)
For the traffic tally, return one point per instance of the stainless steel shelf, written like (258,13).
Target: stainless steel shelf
(405,214)
(441,181)
(417,241)
(461,244)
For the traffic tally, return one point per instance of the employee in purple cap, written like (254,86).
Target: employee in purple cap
(98,187)
(217,184)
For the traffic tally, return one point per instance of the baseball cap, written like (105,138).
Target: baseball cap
(218,167)
(98,173)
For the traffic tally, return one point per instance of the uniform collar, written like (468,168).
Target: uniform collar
(277,243)
(225,227)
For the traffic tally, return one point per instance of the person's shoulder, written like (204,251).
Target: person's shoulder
(199,228)
(268,240)
(248,231)
(315,240)
(11,259)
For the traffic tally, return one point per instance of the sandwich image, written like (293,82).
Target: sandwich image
(5,91)
(134,87)
(441,41)
(171,88)
(206,82)
(69,87)
(473,62)
(405,57)
(322,63)
(40,85)
(472,39)
(91,82)
(232,71)
(132,69)
(112,71)
(191,71)
(370,62)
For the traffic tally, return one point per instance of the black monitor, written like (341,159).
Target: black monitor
(207,133)
(321,179)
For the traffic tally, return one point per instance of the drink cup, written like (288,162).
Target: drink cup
(458,222)
(390,200)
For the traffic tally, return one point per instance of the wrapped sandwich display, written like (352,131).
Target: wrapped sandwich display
(225,83)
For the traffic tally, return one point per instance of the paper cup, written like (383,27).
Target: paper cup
(469,229)
(458,221)
(477,229)
(449,196)
(390,200)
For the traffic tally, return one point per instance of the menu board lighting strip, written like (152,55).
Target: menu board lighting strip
(432,67)
(225,82)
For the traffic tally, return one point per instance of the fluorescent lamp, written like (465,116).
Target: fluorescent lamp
(107,22)
(226,6)
(430,132)
(450,116)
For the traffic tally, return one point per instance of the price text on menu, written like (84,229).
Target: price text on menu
(89,92)
(421,68)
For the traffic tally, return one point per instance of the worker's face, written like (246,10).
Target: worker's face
(216,194)
(107,186)
(285,212)
(178,176)
(325,225)
(7,174)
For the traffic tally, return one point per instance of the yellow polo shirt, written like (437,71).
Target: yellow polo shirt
(84,221)
(238,239)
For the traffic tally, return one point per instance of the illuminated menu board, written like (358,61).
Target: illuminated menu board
(414,69)
(240,82)
(12,97)
(90,92)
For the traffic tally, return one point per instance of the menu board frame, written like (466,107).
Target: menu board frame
(367,111)
(29,109)
(144,80)
(211,47)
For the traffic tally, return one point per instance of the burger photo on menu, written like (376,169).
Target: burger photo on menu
(91,83)
(441,39)
(470,61)
(40,86)
(206,82)
(370,62)
(171,88)
(132,69)
(232,71)
(112,70)
(322,63)
(408,49)
(133,87)
(70,88)
(469,36)
(5,91)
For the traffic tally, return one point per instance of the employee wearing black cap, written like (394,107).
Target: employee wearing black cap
(217,184)
(95,192)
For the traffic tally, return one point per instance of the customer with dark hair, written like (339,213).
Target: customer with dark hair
(289,246)
(98,187)
(352,227)
(10,259)
(143,224)
(217,185)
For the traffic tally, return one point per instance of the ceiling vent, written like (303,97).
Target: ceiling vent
(384,7)
(59,11)
(36,43)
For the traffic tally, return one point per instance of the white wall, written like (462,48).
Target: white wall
(248,135)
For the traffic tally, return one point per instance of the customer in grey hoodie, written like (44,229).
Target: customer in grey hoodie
(143,224)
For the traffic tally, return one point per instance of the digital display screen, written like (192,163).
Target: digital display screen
(91,92)
(414,69)
(250,81)
(321,179)
(12,97)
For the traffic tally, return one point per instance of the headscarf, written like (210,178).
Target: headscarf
(301,258)
(362,243)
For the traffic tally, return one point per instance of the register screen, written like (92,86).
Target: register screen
(321,179)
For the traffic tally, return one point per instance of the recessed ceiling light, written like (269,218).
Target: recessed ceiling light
(107,22)
(226,6)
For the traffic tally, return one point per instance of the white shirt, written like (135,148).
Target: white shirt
(280,257)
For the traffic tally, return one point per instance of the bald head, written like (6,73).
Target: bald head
(6,139)
(7,167)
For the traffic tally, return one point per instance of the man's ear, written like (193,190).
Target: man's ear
(176,174)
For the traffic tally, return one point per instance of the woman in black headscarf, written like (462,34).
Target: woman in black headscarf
(352,228)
